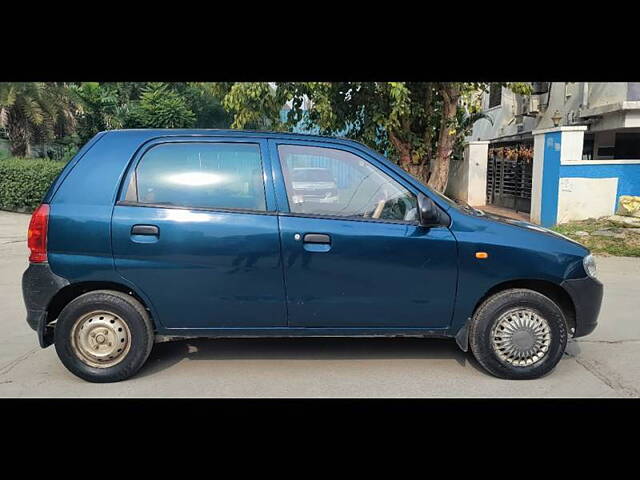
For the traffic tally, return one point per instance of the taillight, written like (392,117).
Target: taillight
(37,235)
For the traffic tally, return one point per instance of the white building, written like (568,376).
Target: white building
(586,150)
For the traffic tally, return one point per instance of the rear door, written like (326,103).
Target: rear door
(196,232)
(354,254)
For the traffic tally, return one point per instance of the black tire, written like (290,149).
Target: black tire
(490,312)
(130,311)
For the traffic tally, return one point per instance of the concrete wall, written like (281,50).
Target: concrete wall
(468,177)
(582,198)
(592,189)
(605,93)
(457,185)
(567,188)
(536,178)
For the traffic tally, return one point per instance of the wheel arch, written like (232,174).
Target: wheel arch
(549,289)
(72,291)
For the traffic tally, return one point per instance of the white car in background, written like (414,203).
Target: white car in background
(314,184)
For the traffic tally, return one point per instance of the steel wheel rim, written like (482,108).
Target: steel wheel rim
(101,339)
(521,337)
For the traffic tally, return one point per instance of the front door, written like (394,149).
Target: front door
(354,255)
(196,234)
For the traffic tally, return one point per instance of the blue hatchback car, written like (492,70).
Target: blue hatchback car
(150,234)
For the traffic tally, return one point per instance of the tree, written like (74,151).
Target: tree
(162,107)
(36,112)
(106,107)
(148,105)
(416,123)
(205,105)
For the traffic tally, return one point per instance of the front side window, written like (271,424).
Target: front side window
(210,175)
(327,181)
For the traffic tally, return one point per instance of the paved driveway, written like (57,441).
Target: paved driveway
(604,364)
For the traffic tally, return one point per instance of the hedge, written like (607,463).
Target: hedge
(25,181)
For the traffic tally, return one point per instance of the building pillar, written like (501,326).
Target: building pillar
(551,147)
(468,177)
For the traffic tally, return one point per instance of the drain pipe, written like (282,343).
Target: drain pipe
(585,95)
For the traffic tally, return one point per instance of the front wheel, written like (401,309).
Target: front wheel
(518,334)
(104,336)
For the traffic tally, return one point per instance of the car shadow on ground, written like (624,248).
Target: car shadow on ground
(167,354)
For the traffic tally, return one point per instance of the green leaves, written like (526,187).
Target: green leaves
(522,88)
(36,112)
(24,182)
(253,105)
(205,105)
(161,107)
(149,105)
(400,97)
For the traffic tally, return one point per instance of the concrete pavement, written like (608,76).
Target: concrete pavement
(603,364)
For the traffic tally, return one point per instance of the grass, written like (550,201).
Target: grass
(628,246)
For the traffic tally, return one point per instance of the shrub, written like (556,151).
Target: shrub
(24,182)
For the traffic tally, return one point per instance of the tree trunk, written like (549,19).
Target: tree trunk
(419,170)
(18,134)
(440,168)
(428,133)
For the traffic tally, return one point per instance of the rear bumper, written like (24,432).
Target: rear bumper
(586,294)
(39,285)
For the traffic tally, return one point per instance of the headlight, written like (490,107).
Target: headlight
(589,265)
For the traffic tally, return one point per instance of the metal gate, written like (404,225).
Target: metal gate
(509,181)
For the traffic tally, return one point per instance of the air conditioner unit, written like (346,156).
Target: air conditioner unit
(531,106)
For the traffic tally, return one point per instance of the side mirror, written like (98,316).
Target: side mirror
(428,213)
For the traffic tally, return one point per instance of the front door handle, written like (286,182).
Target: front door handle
(145,230)
(317,238)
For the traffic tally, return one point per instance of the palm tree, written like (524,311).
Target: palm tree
(34,112)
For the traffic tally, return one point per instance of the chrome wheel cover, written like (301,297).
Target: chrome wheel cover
(100,339)
(521,337)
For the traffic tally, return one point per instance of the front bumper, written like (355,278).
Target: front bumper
(586,294)
(39,285)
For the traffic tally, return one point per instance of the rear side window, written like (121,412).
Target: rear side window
(210,175)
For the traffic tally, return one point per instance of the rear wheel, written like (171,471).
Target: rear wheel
(518,334)
(104,336)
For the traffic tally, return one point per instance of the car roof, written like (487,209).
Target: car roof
(160,132)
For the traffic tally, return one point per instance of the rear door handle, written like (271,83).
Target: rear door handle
(145,230)
(317,238)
